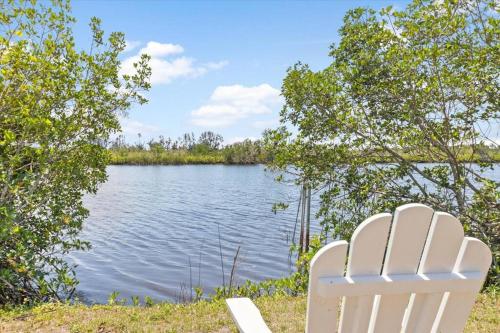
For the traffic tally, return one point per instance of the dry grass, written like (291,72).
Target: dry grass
(168,157)
(283,314)
(485,316)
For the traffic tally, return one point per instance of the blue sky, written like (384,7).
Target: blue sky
(217,65)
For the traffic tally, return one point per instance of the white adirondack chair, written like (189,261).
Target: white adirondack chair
(416,274)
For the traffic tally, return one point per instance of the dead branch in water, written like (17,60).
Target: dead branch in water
(233,269)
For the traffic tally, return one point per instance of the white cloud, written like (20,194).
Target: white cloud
(133,127)
(216,65)
(165,70)
(155,49)
(131,45)
(228,104)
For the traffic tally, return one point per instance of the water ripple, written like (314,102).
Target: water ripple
(148,224)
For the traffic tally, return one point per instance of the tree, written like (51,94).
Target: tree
(420,84)
(246,152)
(118,143)
(156,147)
(57,103)
(187,141)
(212,140)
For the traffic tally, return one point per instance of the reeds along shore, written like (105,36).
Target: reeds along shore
(179,157)
(173,157)
(246,154)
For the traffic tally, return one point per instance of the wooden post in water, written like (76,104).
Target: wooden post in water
(302,219)
(305,218)
(308,216)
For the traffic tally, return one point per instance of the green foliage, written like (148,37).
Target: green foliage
(211,140)
(246,152)
(420,84)
(278,206)
(57,105)
(198,293)
(166,157)
(135,300)
(207,149)
(113,298)
(148,301)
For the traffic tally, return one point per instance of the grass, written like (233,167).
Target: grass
(242,155)
(169,157)
(281,313)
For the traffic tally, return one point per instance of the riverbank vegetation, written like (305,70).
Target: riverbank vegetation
(208,148)
(189,150)
(281,313)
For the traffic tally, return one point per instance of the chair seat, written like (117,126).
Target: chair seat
(246,316)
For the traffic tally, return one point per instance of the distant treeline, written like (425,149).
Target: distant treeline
(208,148)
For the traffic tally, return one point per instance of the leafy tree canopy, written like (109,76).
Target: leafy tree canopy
(212,140)
(403,85)
(57,105)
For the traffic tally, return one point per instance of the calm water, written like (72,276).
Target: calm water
(156,228)
(152,227)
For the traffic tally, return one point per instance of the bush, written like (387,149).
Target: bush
(58,105)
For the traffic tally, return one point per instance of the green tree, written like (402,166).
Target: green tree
(57,105)
(417,84)
(212,140)
(246,152)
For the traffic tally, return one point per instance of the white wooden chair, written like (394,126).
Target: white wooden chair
(416,274)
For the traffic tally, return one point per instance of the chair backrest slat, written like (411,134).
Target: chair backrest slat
(430,276)
(474,255)
(440,254)
(321,311)
(366,255)
(406,242)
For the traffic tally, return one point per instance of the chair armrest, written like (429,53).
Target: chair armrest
(246,316)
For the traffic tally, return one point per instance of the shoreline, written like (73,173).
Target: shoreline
(281,313)
(134,163)
(230,156)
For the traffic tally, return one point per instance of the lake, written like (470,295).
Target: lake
(154,230)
